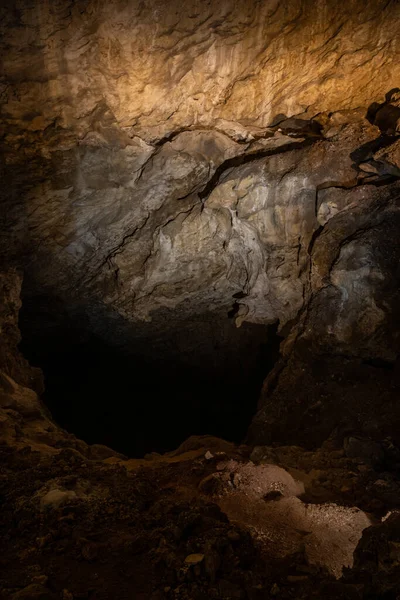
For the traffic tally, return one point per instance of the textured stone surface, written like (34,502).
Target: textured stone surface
(166,165)
(126,112)
(160,243)
(79,520)
(339,370)
(160,66)
(169,170)
(12,363)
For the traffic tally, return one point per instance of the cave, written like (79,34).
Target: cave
(199,300)
(149,394)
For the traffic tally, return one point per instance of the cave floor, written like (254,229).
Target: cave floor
(209,520)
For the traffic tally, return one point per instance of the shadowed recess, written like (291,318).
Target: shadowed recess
(201,377)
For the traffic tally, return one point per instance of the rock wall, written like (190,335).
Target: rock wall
(239,160)
(12,362)
(159,67)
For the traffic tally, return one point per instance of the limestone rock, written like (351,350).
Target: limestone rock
(234,161)
(56,498)
(390,156)
(159,67)
(183,159)
(194,559)
(12,361)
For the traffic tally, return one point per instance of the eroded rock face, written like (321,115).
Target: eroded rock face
(160,66)
(12,363)
(228,160)
(209,519)
(170,171)
(180,237)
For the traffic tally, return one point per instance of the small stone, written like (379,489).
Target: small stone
(368,167)
(363,468)
(167,589)
(237,479)
(34,591)
(221,466)
(275,590)
(345,489)
(381,483)
(56,498)
(194,559)
(210,484)
(208,455)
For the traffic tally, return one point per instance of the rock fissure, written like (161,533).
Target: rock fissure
(246,158)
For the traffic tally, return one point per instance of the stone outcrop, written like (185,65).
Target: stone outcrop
(12,362)
(212,225)
(162,66)
(169,165)
(179,180)
(209,519)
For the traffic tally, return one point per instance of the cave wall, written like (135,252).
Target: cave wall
(158,67)
(163,162)
(12,362)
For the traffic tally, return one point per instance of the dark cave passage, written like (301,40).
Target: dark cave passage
(154,395)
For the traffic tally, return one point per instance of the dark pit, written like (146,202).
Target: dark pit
(147,389)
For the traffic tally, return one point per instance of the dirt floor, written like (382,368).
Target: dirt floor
(209,520)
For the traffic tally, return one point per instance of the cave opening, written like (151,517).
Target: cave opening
(200,377)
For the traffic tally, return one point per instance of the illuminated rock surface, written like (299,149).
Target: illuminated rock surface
(185,157)
(189,186)
(136,117)
(161,66)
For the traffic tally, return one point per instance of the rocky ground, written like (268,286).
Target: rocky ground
(209,520)
(170,172)
(264,520)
